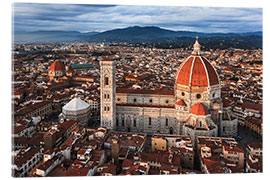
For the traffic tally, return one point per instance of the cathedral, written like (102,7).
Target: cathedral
(194,107)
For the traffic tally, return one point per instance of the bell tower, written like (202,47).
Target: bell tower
(107,94)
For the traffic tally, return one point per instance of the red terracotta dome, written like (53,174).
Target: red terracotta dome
(181,103)
(199,109)
(57,66)
(196,70)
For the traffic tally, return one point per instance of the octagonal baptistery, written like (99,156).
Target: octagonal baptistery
(77,109)
(197,80)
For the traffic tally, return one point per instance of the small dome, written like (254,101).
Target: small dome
(199,109)
(181,103)
(57,66)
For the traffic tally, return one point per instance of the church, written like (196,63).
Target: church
(194,107)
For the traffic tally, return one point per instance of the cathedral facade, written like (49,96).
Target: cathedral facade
(194,108)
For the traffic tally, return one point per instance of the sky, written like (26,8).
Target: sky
(86,17)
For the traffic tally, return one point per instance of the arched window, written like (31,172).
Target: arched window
(134,122)
(108,96)
(117,123)
(106,81)
(108,108)
(123,122)
(167,122)
(150,121)
(105,108)
(105,96)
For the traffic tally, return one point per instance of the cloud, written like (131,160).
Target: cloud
(105,17)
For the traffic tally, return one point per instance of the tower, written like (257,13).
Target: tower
(107,94)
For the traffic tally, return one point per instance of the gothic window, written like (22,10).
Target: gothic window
(106,81)
(134,122)
(123,122)
(104,96)
(117,123)
(108,96)
(166,121)
(105,108)
(108,108)
(150,121)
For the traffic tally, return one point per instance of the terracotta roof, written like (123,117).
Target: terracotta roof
(199,109)
(25,155)
(181,103)
(233,148)
(257,145)
(226,102)
(197,71)
(31,107)
(145,105)
(144,91)
(127,163)
(249,105)
(107,59)
(57,66)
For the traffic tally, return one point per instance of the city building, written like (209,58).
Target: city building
(25,160)
(194,108)
(56,70)
(220,155)
(254,157)
(76,109)
(42,109)
(177,144)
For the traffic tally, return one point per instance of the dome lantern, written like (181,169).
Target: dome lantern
(196,48)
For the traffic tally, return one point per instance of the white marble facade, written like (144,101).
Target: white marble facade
(165,111)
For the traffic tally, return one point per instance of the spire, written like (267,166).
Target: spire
(196,48)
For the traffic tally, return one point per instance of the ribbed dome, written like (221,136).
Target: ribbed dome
(196,70)
(57,66)
(199,109)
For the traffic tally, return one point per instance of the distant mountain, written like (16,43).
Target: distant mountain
(133,34)
(154,34)
(137,34)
